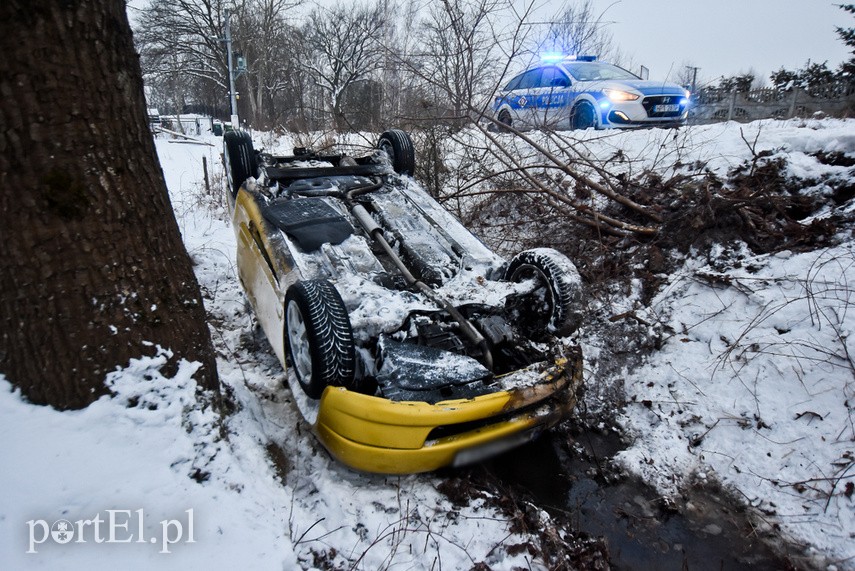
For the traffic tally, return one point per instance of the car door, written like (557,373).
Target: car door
(551,98)
(256,271)
(523,99)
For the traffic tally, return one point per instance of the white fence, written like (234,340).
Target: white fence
(188,124)
(712,105)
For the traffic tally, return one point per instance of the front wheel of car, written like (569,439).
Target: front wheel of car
(239,159)
(398,146)
(319,337)
(553,304)
(584,116)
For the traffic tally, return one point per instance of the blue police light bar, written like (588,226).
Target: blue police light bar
(557,57)
(552,57)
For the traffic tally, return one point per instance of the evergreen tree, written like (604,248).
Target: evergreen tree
(847,35)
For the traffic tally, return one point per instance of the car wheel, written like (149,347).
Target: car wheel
(320,340)
(505,120)
(584,116)
(239,159)
(399,148)
(554,303)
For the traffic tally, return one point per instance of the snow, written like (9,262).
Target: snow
(754,386)
(756,382)
(136,451)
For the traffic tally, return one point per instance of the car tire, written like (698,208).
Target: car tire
(505,120)
(239,159)
(398,146)
(584,116)
(319,337)
(554,304)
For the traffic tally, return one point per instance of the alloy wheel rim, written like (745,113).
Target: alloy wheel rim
(228,166)
(527,271)
(386,147)
(298,341)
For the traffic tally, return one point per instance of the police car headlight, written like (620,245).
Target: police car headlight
(617,96)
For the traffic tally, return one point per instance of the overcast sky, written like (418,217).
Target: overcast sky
(724,37)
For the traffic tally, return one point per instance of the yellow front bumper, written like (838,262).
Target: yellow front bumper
(374,434)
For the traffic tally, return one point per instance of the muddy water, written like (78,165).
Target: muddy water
(703,531)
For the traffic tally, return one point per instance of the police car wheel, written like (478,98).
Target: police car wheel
(504,119)
(584,116)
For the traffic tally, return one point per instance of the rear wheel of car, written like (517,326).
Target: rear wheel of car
(553,305)
(584,116)
(398,146)
(319,336)
(504,119)
(239,159)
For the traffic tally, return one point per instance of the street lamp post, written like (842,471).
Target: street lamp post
(228,42)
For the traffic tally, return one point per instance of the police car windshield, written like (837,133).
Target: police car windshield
(594,71)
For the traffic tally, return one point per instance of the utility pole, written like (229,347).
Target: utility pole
(228,42)
(694,76)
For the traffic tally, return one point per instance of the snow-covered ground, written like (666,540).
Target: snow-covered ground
(754,386)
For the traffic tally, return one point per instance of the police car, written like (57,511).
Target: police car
(580,92)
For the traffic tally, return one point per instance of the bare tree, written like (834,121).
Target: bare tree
(267,41)
(401,89)
(578,30)
(346,42)
(460,52)
(468,33)
(94,270)
(180,48)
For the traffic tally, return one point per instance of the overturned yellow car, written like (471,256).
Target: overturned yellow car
(409,344)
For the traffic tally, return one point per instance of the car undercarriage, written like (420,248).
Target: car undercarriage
(363,282)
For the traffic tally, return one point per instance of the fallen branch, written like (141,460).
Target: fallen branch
(591,217)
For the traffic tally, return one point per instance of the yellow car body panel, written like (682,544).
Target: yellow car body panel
(412,461)
(261,272)
(374,434)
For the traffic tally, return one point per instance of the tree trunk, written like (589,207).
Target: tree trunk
(94,270)
(339,121)
(255,96)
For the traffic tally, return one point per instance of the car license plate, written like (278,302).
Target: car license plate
(670,108)
(495,447)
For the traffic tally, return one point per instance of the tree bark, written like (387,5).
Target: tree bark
(94,272)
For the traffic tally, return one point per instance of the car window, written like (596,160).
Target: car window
(530,79)
(553,77)
(594,71)
(514,83)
